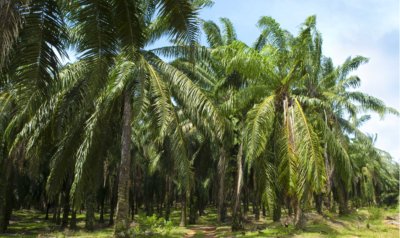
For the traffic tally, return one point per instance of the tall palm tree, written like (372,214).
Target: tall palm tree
(277,125)
(329,94)
(210,75)
(35,30)
(121,28)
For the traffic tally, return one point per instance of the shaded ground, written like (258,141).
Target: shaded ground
(203,231)
(367,222)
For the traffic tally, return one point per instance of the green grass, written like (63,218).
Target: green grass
(27,223)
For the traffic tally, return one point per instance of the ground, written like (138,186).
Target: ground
(364,222)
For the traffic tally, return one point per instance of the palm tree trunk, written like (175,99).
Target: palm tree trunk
(47,211)
(342,199)
(276,211)
(192,208)
(183,210)
(237,219)
(58,213)
(256,200)
(318,202)
(122,219)
(64,222)
(103,192)
(329,173)
(167,198)
(72,222)
(221,188)
(298,214)
(90,207)
(113,198)
(6,181)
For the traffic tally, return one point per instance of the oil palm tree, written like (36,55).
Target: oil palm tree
(277,127)
(121,28)
(210,75)
(330,92)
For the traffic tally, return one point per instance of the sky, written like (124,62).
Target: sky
(349,28)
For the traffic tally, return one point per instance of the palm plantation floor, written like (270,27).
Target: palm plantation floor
(366,222)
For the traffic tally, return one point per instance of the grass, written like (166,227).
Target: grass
(366,222)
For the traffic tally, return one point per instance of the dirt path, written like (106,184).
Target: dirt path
(207,231)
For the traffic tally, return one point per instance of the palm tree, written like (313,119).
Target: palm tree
(327,94)
(210,75)
(277,125)
(123,28)
(37,31)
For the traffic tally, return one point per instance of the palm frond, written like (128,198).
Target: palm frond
(258,128)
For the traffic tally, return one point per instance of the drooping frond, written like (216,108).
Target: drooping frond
(308,149)
(181,17)
(41,43)
(129,25)
(371,103)
(229,35)
(258,128)
(193,53)
(93,35)
(213,34)
(199,107)
(350,65)
(10,26)
(118,80)
(162,100)
(55,108)
(271,34)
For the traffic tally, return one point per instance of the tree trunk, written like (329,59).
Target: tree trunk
(264,211)
(122,219)
(72,222)
(101,218)
(6,197)
(113,199)
(342,197)
(298,215)
(103,192)
(47,211)
(318,202)
(256,200)
(90,207)
(58,210)
(237,219)
(276,211)
(183,210)
(245,202)
(221,188)
(192,209)
(64,222)
(167,198)
(329,173)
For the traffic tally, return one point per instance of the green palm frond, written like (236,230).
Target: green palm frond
(199,108)
(308,149)
(229,35)
(259,128)
(42,43)
(271,34)
(92,33)
(129,25)
(213,34)
(162,100)
(10,26)
(181,17)
(118,81)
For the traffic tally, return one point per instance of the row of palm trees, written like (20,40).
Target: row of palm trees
(274,124)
